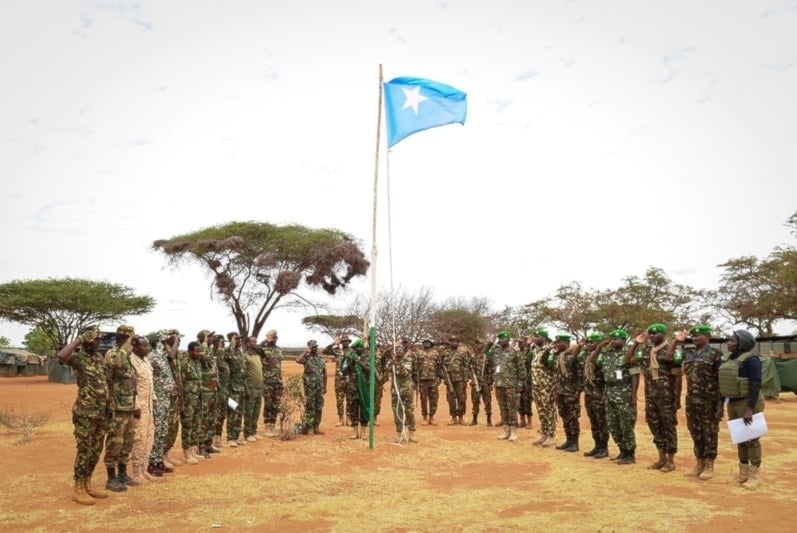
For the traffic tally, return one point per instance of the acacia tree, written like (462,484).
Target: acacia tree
(63,307)
(257,267)
(334,325)
(410,313)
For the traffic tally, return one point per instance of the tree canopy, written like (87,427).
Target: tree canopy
(257,267)
(63,307)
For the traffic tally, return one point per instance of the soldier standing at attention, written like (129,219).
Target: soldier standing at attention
(401,370)
(253,389)
(164,388)
(236,362)
(272,381)
(662,392)
(337,350)
(481,383)
(90,411)
(223,371)
(209,394)
(455,371)
(122,387)
(508,370)
(544,390)
(142,415)
(524,407)
(356,369)
(171,344)
(314,380)
(620,393)
(568,390)
(594,387)
(190,423)
(428,380)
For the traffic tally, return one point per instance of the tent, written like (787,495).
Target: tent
(18,362)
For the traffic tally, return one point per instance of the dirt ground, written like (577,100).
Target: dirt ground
(458,478)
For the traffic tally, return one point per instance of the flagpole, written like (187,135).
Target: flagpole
(372,325)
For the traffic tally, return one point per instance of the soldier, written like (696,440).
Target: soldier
(356,370)
(253,389)
(703,400)
(223,370)
(662,392)
(544,390)
(568,389)
(90,411)
(621,382)
(272,382)
(236,362)
(171,344)
(209,389)
(402,370)
(740,383)
(481,383)
(594,387)
(314,380)
(524,405)
(122,387)
(508,370)
(381,374)
(191,382)
(142,414)
(428,380)
(339,348)
(165,398)
(454,364)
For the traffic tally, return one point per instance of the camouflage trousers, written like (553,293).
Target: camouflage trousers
(221,410)
(524,405)
(254,399)
(507,399)
(207,417)
(403,405)
(456,398)
(235,416)
(596,412)
(190,421)
(119,440)
(429,397)
(161,417)
(544,397)
(750,451)
(621,416)
(357,412)
(272,395)
(569,408)
(704,425)
(340,395)
(484,395)
(174,423)
(660,415)
(313,404)
(89,436)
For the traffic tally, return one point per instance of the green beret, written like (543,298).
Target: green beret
(504,334)
(542,333)
(701,329)
(563,337)
(595,337)
(658,327)
(357,344)
(619,334)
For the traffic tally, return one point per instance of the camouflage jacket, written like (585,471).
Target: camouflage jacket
(223,369)
(236,363)
(568,373)
(272,364)
(481,367)
(210,374)
(702,375)
(314,372)
(428,362)
(92,383)
(613,368)
(508,366)
(191,375)
(336,354)
(663,384)
(121,379)
(455,364)
(162,377)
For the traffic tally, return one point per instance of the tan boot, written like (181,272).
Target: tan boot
(270,431)
(217,441)
(512,434)
(356,433)
(505,434)
(149,477)
(188,457)
(412,436)
(317,431)
(80,495)
(753,479)
(453,421)
(94,492)
(708,470)
(195,452)
(170,461)
(548,441)
(138,475)
(539,441)
(700,465)
(658,464)
(167,463)
(232,444)
(744,473)
(432,421)
(425,420)
(460,421)
(669,463)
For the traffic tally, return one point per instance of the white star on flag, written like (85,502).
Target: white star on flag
(414,97)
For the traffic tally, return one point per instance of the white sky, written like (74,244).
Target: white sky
(602,138)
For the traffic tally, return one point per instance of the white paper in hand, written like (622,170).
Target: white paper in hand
(741,432)
(232,403)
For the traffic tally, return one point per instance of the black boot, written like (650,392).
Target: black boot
(565,444)
(489,420)
(474,422)
(154,470)
(165,469)
(124,478)
(602,450)
(573,447)
(629,458)
(113,482)
(594,449)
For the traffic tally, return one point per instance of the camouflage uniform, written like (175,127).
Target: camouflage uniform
(382,369)
(337,354)
(223,370)
(524,405)
(236,362)
(456,370)
(190,421)
(272,383)
(544,390)
(356,370)
(209,393)
(429,379)
(90,411)
(178,403)
(313,381)
(122,386)
(594,389)
(702,397)
(508,369)
(568,393)
(482,386)
(164,386)
(660,399)
(621,415)
(253,392)
(403,392)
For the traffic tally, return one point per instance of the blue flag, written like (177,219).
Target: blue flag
(417,104)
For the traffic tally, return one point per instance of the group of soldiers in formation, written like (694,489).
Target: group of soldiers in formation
(133,400)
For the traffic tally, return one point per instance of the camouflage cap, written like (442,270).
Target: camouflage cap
(125,329)
(171,333)
(700,329)
(428,341)
(658,327)
(232,334)
(311,343)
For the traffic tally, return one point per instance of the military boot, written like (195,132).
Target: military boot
(124,478)
(460,421)
(548,441)
(114,483)
(660,462)
(512,434)
(138,475)
(432,421)
(539,441)
(753,479)
(744,473)
(94,492)
(669,463)
(317,431)
(593,451)
(522,422)
(505,434)
(80,495)
(573,446)
(565,444)
(627,459)
(188,457)
(154,470)
(412,436)
(270,431)
(700,465)
(453,421)
(618,456)
(475,421)
(708,469)
(425,420)
(163,468)
(489,421)
(168,460)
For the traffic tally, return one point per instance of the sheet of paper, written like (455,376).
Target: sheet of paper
(741,432)
(232,403)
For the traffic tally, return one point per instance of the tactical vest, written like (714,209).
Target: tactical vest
(731,385)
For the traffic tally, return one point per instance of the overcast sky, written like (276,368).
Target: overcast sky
(602,138)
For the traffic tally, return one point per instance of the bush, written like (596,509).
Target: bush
(23,424)
(291,402)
